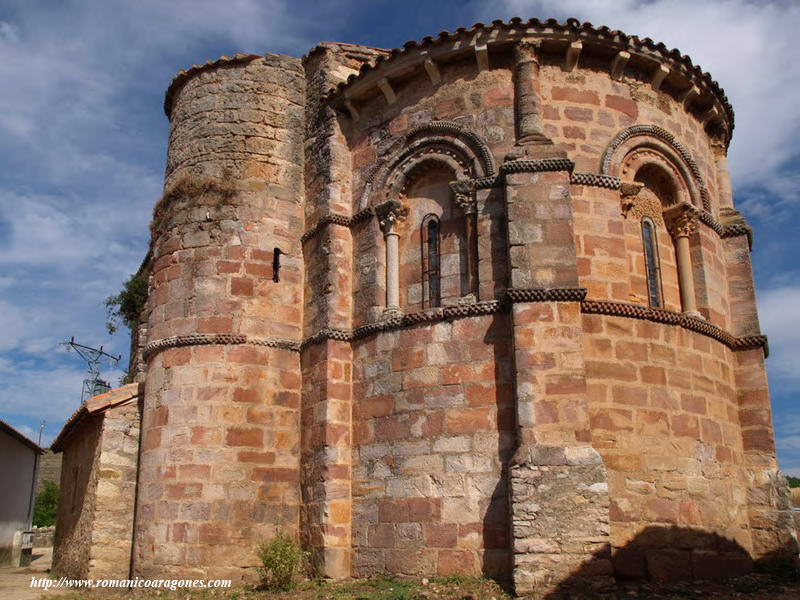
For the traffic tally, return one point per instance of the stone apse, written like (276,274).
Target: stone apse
(480,305)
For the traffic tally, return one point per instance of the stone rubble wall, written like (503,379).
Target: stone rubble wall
(112,535)
(76,507)
(49,469)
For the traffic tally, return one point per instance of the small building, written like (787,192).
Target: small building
(19,461)
(99,445)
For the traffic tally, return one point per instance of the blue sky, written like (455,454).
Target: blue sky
(83,142)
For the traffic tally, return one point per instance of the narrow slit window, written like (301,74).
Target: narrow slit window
(431,259)
(651,263)
(276,264)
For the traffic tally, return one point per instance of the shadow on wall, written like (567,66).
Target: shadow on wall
(672,554)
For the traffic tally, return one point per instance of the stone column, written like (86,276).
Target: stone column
(390,213)
(682,219)
(724,187)
(466,201)
(527,98)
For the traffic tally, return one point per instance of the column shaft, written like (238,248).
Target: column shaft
(392,269)
(685,276)
(682,219)
(472,253)
(527,100)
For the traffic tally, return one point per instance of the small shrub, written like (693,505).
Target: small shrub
(282,561)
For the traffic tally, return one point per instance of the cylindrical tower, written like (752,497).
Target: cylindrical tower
(219,453)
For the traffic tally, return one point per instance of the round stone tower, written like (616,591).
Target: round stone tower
(220,450)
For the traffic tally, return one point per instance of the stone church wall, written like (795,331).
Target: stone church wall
(537,421)
(433,431)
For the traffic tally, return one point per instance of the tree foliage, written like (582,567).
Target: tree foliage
(46,507)
(794,482)
(125,307)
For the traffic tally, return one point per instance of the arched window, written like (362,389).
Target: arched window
(431,261)
(651,263)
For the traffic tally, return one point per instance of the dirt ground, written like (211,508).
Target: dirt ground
(15,585)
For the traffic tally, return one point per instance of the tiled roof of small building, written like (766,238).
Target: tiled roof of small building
(96,404)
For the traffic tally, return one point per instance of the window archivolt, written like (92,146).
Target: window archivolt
(641,144)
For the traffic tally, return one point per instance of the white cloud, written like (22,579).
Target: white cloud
(82,146)
(779,313)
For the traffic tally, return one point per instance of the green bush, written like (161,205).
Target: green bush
(127,305)
(282,561)
(46,507)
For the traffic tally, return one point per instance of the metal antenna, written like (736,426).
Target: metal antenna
(92,385)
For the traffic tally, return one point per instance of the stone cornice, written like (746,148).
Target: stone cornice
(337,219)
(567,294)
(666,67)
(576,178)
(735,225)
(537,165)
(661,315)
(434,315)
(600,180)
(224,339)
(486,307)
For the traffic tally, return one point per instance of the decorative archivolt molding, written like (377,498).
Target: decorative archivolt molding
(456,129)
(662,134)
(224,339)
(447,142)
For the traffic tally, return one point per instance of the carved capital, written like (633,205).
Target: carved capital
(467,203)
(464,191)
(389,214)
(526,51)
(627,194)
(681,219)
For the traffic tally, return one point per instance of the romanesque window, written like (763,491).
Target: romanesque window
(431,261)
(652,265)
(433,249)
